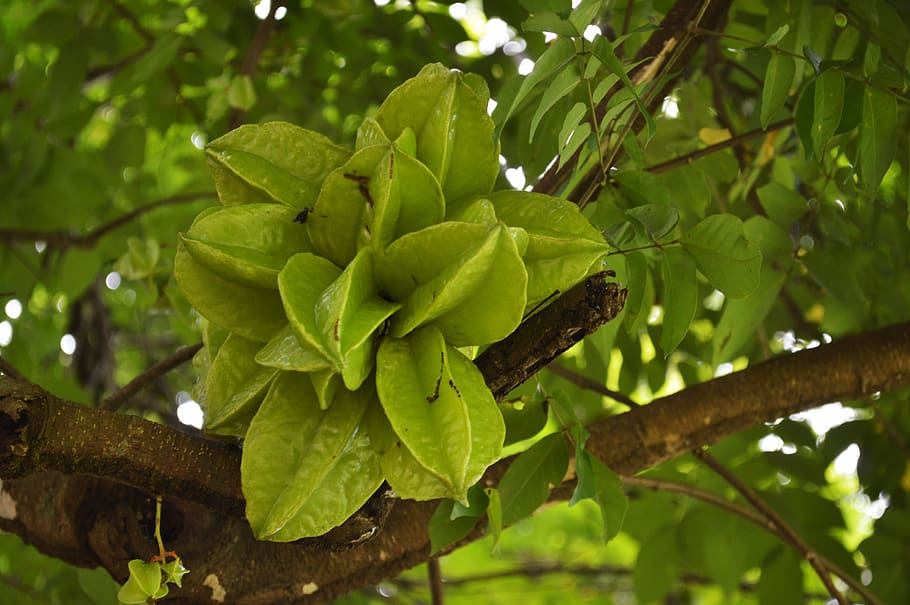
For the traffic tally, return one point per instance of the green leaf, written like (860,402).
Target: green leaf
(408,477)
(657,219)
(578,138)
(246,244)
(326,384)
(303,279)
(274,161)
(524,418)
(603,50)
(878,136)
(144,581)
(781,580)
(348,313)
(494,514)
(563,247)
(782,204)
(338,224)
(241,94)
(380,194)
(605,488)
(254,313)
(235,386)
(827,109)
(741,317)
(553,59)
(440,408)
(804,116)
(730,262)
(444,530)
(527,482)
(467,279)
(563,84)
(286,351)
(777,36)
(140,260)
(680,297)
(549,22)
(304,470)
(447,111)
(778,79)
(657,565)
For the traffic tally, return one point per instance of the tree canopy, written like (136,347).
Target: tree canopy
(681,323)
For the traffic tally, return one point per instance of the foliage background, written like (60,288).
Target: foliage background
(106,105)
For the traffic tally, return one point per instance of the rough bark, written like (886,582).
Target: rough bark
(92,521)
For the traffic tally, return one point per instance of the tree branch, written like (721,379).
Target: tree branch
(215,540)
(62,239)
(118,398)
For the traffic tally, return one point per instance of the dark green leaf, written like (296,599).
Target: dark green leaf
(730,262)
(527,483)
(878,136)
(680,297)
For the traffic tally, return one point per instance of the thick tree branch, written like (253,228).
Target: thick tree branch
(95,521)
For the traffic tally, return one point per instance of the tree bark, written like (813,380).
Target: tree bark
(90,521)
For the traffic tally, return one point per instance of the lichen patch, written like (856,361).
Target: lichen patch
(218,592)
(7,504)
(309,588)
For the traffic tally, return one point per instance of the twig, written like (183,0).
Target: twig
(116,399)
(435,581)
(583,382)
(783,527)
(732,141)
(62,239)
(8,369)
(251,59)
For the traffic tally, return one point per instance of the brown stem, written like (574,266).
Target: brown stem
(583,382)
(251,59)
(118,398)
(664,485)
(731,142)
(62,239)
(437,595)
(777,521)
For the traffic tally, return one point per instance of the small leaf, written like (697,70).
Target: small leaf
(878,136)
(304,470)
(608,492)
(246,244)
(140,260)
(778,79)
(680,297)
(494,515)
(286,351)
(144,581)
(348,312)
(730,262)
(524,418)
(563,84)
(241,94)
(781,580)
(578,138)
(527,482)
(444,530)
(440,408)
(254,313)
(777,36)
(303,279)
(549,22)
(603,50)
(235,386)
(827,110)
(275,161)
(657,219)
(553,59)
(804,116)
